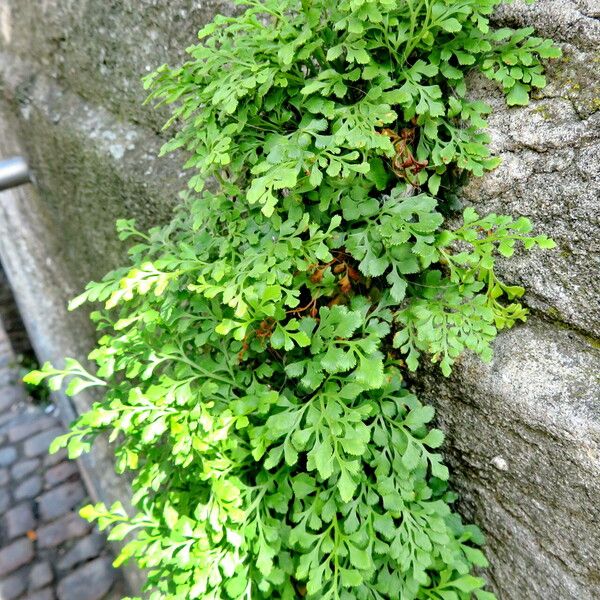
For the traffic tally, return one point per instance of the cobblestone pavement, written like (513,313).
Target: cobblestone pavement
(47,552)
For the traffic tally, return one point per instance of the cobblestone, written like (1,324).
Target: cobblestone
(7,376)
(53,459)
(15,555)
(89,582)
(7,456)
(59,473)
(69,527)
(86,548)
(24,467)
(29,488)
(19,520)
(39,443)
(45,594)
(4,500)
(60,500)
(9,396)
(12,587)
(30,427)
(47,551)
(40,575)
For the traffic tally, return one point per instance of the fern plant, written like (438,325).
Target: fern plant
(252,355)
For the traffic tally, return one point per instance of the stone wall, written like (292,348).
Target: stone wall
(523,432)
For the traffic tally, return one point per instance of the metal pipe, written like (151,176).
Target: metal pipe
(13,172)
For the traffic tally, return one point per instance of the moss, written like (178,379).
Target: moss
(554,314)
(544,111)
(593,342)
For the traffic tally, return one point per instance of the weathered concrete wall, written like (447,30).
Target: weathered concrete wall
(523,432)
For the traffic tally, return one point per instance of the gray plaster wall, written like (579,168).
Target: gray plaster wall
(523,433)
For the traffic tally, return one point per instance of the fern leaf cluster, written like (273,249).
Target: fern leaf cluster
(252,355)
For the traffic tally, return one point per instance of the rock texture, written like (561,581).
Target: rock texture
(523,439)
(523,432)
(551,165)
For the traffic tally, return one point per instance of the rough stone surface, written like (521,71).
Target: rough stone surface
(13,324)
(38,444)
(8,397)
(86,548)
(523,439)
(89,582)
(102,50)
(12,587)
(69,527)
(551,166)
(4,500)
(523,433)
(30,427)
(24,467)
(6,375)
(29,488)
(19,520)
(7,456)
(61,499)
(54,459)
(45,594)
(15,555)
(60,473)
(40,575)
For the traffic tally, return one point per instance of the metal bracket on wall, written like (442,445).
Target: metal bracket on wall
(13,172)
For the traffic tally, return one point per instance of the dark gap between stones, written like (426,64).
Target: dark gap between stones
(26,359)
